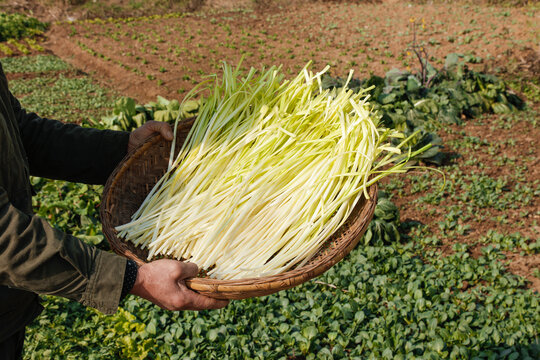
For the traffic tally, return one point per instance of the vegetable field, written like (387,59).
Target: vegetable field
(368,37)
(450,265)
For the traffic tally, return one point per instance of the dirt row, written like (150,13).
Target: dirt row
(168,56)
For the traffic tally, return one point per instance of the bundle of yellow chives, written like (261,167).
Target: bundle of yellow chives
(270,169)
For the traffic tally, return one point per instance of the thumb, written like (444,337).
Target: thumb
(162,128)
(187,270)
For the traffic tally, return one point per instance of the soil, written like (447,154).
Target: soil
(168,56)
(526,135)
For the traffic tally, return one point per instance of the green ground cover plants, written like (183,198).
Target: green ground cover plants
(72,99)
(396,296)
(20,34)
(385,302)
(33,64)
(16,26)
(71,207)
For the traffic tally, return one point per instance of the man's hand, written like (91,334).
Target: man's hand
(162,282)
(148,129)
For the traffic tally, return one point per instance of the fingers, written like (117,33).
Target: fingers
(190,300)
(139,135)
(162,282)
(194,301)
(162,128)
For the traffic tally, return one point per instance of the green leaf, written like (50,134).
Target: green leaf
(325,353)
(438,345)
(163,115)
(413,84)
(451,61)
(173,105)
(213,334)
(190,107)
(395,76)
(151,328)
(387,98)
(387,353)
(309,332)
(162,103)
(124,105)
(139,119)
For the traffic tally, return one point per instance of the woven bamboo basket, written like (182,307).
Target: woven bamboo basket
(139,171)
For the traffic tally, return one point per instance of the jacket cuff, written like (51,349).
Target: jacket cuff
(105,284)
(130,276)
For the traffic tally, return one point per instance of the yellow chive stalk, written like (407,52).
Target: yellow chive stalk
(270,169)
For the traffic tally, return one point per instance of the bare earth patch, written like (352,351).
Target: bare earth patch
(167,56)
(505,148)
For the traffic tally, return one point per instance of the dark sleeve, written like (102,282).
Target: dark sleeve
(38,258)
(67,151)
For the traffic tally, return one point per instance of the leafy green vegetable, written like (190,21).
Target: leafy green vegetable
(72,208)
(127,115)
(39,63)
(455,91)
(16,26)
(385,222)
(62,97)
(386,299)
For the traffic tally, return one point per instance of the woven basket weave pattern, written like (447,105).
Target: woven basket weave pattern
(135,176)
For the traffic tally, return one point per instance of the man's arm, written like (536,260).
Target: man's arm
(38,258)
(47,261)
(67,151)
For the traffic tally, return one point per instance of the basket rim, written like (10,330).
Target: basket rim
(236,288)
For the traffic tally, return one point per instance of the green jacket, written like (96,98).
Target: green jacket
(36,258)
